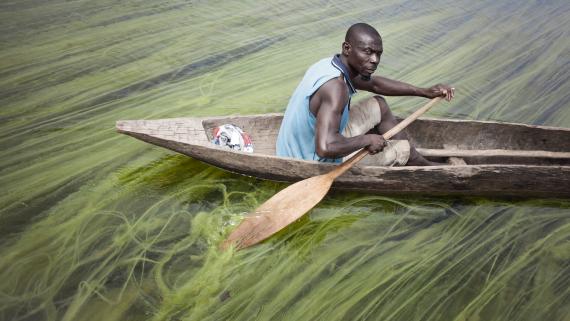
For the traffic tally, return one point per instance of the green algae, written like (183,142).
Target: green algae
(98,226)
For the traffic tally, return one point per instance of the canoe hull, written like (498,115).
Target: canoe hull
(486,180)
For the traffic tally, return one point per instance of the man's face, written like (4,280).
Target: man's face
(363,54)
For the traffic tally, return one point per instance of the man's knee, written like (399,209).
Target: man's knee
(383,104)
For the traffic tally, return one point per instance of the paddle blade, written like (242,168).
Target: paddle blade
(279,211)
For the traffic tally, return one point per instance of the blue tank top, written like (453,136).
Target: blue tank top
(297,133)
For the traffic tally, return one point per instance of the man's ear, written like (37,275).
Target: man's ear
(346,48)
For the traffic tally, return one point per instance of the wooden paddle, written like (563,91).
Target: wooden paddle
(291,203)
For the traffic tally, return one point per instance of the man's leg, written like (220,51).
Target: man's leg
(388,121)
(364,117)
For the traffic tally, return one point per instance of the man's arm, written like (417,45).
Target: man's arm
(388,87)
(329,102)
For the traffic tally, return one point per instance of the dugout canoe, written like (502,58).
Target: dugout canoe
(490,159)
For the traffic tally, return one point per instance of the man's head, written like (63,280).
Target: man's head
(362,48)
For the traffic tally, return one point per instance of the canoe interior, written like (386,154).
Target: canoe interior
(434,134)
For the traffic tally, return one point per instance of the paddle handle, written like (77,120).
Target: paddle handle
(404,123)
(339,170)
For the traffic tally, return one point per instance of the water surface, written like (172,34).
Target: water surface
(99,226)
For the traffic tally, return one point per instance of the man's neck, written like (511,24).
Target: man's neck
(346,74)
(352,74)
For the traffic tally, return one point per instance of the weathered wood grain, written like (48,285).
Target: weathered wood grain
(481,176)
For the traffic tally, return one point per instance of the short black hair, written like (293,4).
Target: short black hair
(359,28)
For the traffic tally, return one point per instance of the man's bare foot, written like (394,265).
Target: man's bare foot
(416,159)
(456,161)
(424,162)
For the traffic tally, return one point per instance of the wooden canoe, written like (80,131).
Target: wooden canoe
(495,159)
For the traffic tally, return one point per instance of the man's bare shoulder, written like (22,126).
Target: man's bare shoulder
(334,90)
(333,94)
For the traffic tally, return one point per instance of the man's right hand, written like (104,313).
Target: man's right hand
(440,90)
(376,143)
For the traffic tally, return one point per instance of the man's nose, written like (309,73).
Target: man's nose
(375,58)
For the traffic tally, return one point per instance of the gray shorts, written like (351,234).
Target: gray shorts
(364,116)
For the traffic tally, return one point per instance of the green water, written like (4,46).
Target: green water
(98,226)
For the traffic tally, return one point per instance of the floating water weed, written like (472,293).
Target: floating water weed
(97,226)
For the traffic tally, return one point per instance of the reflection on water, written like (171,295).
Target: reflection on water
(97,226)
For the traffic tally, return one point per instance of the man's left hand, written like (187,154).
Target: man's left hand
(440,90)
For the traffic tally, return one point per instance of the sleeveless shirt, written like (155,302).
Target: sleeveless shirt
(297,133)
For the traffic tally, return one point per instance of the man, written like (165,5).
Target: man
(320,124)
